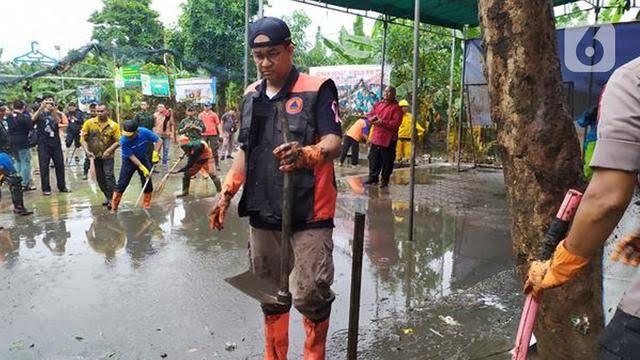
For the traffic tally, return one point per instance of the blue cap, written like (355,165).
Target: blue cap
(275,29)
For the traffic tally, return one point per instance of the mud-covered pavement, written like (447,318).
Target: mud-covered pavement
(79,283)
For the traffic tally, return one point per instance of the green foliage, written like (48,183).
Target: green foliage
(434,69)
(233,94)
(128,23)
(212,31)
(612,12)
(357,48)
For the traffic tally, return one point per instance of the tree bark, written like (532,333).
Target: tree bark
(541,157)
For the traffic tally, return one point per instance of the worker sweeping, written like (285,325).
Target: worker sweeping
(9,175)
(199,156)
(358,132)
(135,158)
(403,149)
(310,105)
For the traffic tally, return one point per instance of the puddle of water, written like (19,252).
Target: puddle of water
(138,271)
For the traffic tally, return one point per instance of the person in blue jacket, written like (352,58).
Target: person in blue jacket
(589,121)
(9,175)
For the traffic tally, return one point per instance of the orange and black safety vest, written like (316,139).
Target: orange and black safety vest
(260,132)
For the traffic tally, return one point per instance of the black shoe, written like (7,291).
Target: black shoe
(181,195)
(22,212)
(84,177)
(230,157)
(384,185)
(65,190)
(371,181)
(106,203)
(28,188)
(46,193)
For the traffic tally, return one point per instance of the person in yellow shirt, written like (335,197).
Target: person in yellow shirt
(100,138)
(403,149)
(351,140)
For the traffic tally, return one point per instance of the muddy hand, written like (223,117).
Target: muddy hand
(288,154)
(218,213)
(628,250)
(293,156)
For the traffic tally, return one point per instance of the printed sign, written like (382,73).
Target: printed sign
(87,95)
(128,76)
(358,85)
(196,90)
(155,85)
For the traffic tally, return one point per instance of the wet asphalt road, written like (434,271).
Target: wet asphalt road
(79,283)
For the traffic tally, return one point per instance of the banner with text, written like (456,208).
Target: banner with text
(155,85)
(358,85)
(196,90)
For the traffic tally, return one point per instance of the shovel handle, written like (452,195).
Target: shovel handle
(284,296)
(556,232)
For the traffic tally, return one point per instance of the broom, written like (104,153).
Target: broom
(165,178)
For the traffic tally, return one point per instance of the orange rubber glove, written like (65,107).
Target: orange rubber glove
(293,156)
(232,183)
(555,272)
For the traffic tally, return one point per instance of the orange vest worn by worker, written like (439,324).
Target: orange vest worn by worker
(315,192)
(356,131)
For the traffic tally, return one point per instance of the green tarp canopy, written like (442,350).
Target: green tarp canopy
(448,13)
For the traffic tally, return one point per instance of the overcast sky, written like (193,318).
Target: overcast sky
(64,23)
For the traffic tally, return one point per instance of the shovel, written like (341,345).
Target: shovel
(144,186)
(556,232)
(261,289)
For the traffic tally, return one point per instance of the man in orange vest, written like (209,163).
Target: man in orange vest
(311,107)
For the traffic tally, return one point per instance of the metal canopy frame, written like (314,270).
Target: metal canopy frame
(416,35)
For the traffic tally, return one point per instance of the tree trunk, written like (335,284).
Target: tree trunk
(541,157)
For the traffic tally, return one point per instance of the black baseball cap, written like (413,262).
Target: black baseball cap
(275,29)
(129,127)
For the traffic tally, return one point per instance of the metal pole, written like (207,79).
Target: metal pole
(461,112)
(590,91)
(117,105)
(450,109)
(261,8)
(384,51)
(115,63)
(246,43)
(356,282)
(414,113)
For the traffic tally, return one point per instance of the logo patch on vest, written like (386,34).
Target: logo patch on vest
(294,105)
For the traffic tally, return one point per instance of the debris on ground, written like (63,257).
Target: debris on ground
(407,331)
(449,320)
(230,346)
(17,345)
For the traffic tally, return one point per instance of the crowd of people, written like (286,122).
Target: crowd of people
(45,130)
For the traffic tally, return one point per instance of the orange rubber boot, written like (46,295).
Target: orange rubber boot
(276,336)
(146,201)
(115,201)
(314,346)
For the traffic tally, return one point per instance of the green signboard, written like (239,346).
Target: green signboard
(155,85)
(128,76)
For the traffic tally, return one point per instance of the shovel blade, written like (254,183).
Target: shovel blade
(261,289)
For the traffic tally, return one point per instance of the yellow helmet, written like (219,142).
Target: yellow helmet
(403,103)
